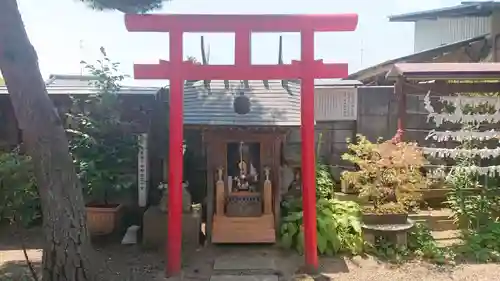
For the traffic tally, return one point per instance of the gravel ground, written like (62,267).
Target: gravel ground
(131,263)
(370,269)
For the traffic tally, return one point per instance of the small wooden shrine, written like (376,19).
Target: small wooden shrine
(243,124)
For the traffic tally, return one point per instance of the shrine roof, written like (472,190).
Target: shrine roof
(271,103)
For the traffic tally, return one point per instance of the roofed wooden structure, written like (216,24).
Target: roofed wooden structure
(137,103)
(472,50)
(445,71)
(440,79)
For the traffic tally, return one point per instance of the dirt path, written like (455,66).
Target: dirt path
(131,263)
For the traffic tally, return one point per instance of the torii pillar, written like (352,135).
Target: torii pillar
(177,70)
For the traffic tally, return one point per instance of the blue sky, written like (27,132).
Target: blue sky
(65,32)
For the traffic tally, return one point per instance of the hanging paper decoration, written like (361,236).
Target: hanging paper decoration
(484,153)
(460,136)
(459,100)
(459,117)
(490,171)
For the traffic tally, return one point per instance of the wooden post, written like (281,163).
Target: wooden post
(175,160)
(268,196)
(219,190)
(308,162)
(401,98)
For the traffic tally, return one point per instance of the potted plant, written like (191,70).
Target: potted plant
(363,150)
(438,188)
(389,176)
(103,147)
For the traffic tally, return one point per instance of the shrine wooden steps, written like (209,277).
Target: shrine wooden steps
(243,229)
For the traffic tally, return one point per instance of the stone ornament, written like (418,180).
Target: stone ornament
(219,173)
(186,198)
(267,171)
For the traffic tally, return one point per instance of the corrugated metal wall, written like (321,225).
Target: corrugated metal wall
(430,34)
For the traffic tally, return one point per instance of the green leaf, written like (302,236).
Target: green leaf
(284,228)
(293,229)
(286,240)
(335,242)
(326,212)
(322,225)
(294,216)
(300,242)
(322,243)
(355,223)
(329,252)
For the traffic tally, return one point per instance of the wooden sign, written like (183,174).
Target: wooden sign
(336,104)
(142,170)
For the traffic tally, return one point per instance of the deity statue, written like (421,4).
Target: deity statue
(186,197)
(295,187)
(247,176)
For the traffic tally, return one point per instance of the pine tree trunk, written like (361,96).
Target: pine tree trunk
(67,251)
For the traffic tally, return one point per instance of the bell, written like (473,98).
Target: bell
(241,104)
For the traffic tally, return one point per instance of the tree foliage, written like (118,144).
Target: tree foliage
(388,173)
(101,140)
(126,6)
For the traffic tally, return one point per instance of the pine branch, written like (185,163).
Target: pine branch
(125,6)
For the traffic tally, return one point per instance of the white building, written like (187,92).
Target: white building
(435,28)
(466,33)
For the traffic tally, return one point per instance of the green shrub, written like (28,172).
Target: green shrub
(421,245)
(101,140)
(338,226)
(324,182)
(19,200)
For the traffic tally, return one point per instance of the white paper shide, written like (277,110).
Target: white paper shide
(473,119)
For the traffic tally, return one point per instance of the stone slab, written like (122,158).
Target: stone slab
(244,278)
(154,230)
(235,263)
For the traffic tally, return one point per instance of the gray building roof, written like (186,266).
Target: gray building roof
(328,83)
(79,85)
(69,80)
(466,8)
(370,73)
(271,103)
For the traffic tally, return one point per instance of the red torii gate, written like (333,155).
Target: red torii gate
(177,70)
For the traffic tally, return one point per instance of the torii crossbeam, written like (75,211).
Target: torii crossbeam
(177,70)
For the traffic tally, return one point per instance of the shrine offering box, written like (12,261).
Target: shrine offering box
(244,204)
